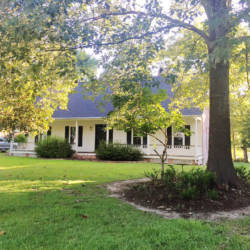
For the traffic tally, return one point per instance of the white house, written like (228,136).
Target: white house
(83,125)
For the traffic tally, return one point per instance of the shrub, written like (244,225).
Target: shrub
(189,194)
(21,138)
(169,177)
(200,179)
(213,194)
(52,147)
(243,173)
(188,185)
(118,152)
(152,175)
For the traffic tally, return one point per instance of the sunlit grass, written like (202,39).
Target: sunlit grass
(34,186)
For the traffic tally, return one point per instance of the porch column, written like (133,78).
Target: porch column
(196,137)
(76,139)
(132,136)
(107,135)
(172,142)
(148,144)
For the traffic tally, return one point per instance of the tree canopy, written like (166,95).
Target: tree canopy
(35,81)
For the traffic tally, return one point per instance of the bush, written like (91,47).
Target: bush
(190,193)
(170,178)
(213,194)
(199,179)
(21,138)
(152,175)
(52,147)
(243,173)
(188,185)
(118,152)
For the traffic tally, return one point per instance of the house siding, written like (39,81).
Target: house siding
(191,153)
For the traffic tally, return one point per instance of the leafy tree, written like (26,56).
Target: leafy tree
(136,96)
(217,22)
(34,79)
(145,114)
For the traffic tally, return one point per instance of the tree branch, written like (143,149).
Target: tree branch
(177,22)
(158,154)
(136,37)
(157,139)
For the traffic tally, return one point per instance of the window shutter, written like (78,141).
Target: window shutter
(80,133)
(67,133)
(111,136)
(187,137)
(49,131)
(129,137)
(169,134)
(145,140)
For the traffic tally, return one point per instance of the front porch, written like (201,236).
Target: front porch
(85,135)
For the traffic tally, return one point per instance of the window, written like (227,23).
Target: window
(72,135)
(136,140)
(140,140)
(178,138)
(38,138)
(178,141)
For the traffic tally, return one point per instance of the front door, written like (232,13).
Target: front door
(100,134)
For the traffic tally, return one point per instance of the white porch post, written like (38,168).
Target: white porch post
(196,138)
(11,146)
(76,139)
(148,144)
(172,143)
(132,136)
(107,136)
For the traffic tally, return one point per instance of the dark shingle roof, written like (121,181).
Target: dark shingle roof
(79,107)
(168,87)
(82,108)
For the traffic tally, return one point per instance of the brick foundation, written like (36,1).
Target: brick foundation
(83,157)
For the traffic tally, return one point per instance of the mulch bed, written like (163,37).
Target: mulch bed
(158,197)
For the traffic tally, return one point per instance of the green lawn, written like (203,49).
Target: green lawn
(42,203)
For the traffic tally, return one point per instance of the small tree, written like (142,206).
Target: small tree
(145,114)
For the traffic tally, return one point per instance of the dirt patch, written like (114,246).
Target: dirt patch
(230,205)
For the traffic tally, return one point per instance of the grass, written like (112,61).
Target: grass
(42,203)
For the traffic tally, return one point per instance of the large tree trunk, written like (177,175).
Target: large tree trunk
(219,152)
(219,156)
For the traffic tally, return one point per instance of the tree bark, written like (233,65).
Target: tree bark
(162,169)
(219,156)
